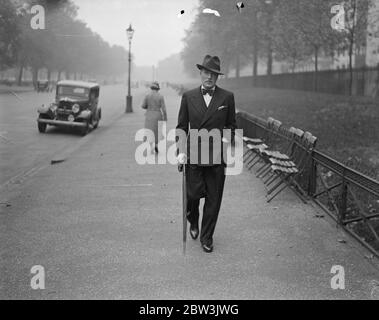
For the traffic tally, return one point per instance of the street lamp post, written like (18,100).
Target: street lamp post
(129,33)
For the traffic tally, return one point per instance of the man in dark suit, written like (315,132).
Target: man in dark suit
(205,111)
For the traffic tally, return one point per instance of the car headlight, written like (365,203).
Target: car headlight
(41,109)
(53,107)
(75,108)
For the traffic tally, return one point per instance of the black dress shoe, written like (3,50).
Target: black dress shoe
(194,232)
(206,248)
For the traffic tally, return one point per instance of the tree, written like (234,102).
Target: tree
(357,22)
(288,43)
(38,48)
(221,36)
(9,34)
(66,45)
(311,18)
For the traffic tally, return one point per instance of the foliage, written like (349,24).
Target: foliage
(290,31)
(65,45)
(9,34)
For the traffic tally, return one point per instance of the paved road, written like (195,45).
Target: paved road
(104,227)
(23,149)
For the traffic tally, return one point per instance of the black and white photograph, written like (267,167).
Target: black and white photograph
(189,155)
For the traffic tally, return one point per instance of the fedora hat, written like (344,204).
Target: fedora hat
(155,85)
(211,64)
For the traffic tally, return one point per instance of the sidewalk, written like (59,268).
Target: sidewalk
(14,89)
(104,227)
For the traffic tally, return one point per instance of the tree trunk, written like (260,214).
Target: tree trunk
(48,74)
(35,76)
(238,66)
(20,74)
(269,58)
(293,67)
(351,68)
(351,47)
(59,75)
(376,91)
(227,67)
(255,61)
(316,70)
(255,47)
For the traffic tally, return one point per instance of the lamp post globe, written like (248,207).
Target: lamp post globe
(129,34)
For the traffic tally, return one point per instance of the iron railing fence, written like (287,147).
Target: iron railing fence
(365,81)
(348,196)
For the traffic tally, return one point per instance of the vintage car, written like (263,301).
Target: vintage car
(75,106)
(42,86)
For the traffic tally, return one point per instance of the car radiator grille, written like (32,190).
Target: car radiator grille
(65,105)
(62,117)
(64,110)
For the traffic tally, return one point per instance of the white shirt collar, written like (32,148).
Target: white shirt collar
(213,89)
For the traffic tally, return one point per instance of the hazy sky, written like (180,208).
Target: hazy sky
(158,30)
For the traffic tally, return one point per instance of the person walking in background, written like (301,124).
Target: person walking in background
(155,111)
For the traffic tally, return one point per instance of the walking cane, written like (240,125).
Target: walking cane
(184,199)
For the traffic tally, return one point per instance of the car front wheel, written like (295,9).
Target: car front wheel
(42,127)
(96,124)
(85,129)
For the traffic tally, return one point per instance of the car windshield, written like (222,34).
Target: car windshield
(73,91)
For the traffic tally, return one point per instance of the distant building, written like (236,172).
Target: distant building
(372,48)
(367,54)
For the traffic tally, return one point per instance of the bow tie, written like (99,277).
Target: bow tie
(209,91)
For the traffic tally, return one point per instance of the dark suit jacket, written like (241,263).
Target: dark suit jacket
(194,114)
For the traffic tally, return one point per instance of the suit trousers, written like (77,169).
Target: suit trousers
(212,178)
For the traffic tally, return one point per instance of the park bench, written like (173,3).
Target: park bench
(255,147)
(275,130)
(282,161)
(287,171)
(290,164)
(282,156)
(348,196)
(249,151)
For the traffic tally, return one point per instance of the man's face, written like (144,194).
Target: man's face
(208,79)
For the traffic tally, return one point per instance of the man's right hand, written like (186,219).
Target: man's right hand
(181,158)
